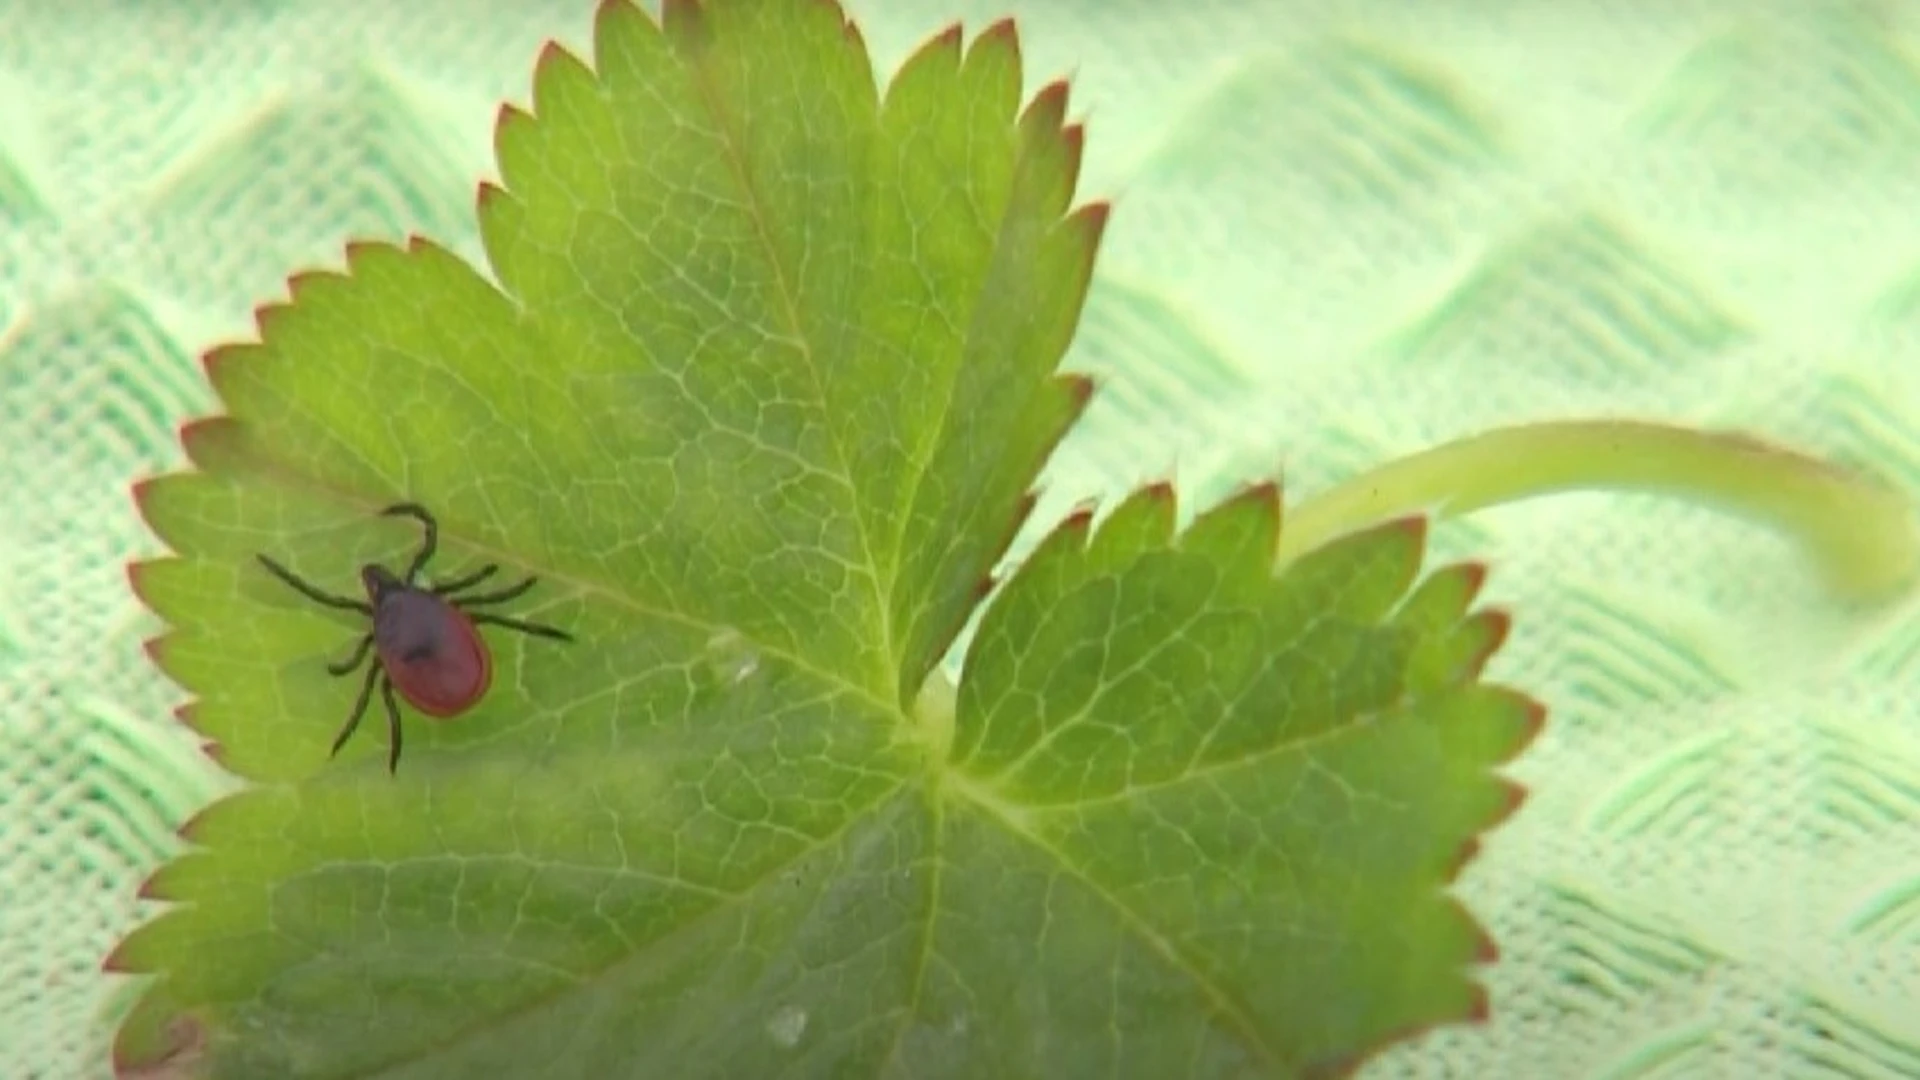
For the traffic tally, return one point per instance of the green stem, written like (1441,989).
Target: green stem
(1860,533)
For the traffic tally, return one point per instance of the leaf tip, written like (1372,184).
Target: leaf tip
(189,830)
(1468,850)
(1412,526)
(851,30)
(1513,795)
(1477,1009)
(609,9)
(156,649)
(137,568)
(1473,578)
(1090,222)
(141,491)
(178,1057)
(215,362)
(267,314)
(984,587)
(188,716)
(508,120)
(938,55)
(1000,36)
(1491,628)
(1262,493)
(1079,389)
(1092,217)
(1485,949)
(154,887)
(553,54)
(298,284)
(202,435)
(611,20)
(362,252)
(947,40)
(1048,108)
(118,962)
(1080,518)
(1533,720)
(489,195)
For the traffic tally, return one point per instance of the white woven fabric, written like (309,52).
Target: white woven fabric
(1344,231)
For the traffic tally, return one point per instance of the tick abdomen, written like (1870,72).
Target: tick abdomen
(445,668)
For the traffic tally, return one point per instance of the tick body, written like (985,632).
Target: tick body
(424,639)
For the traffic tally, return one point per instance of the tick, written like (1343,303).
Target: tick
(426,638)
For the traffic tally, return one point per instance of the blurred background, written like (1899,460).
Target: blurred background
(1343,231)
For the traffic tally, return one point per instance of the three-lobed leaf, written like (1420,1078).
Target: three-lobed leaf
(760,393)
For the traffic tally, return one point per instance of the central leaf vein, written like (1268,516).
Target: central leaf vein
(733,143)
(1219,997)
(923,954)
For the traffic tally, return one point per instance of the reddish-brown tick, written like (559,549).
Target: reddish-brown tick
(426,638)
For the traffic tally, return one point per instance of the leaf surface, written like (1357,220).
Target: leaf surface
(758,391)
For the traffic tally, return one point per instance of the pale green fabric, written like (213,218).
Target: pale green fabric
(1343,232)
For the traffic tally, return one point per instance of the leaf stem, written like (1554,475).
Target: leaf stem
(1860,532)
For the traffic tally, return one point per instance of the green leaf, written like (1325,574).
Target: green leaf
(1197,817)
(759,394)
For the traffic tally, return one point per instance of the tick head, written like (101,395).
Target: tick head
(379,582)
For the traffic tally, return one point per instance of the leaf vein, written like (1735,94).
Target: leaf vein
(924,954)
(1222,1001)
(733,142)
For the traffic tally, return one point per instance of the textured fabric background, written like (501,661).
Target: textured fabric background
(1344,231)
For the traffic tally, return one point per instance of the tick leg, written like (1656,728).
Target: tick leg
(359,710)
(344,603)
(393,726)
(524,627)
(498,596)
(354,661)
(427,544)
(467,582)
